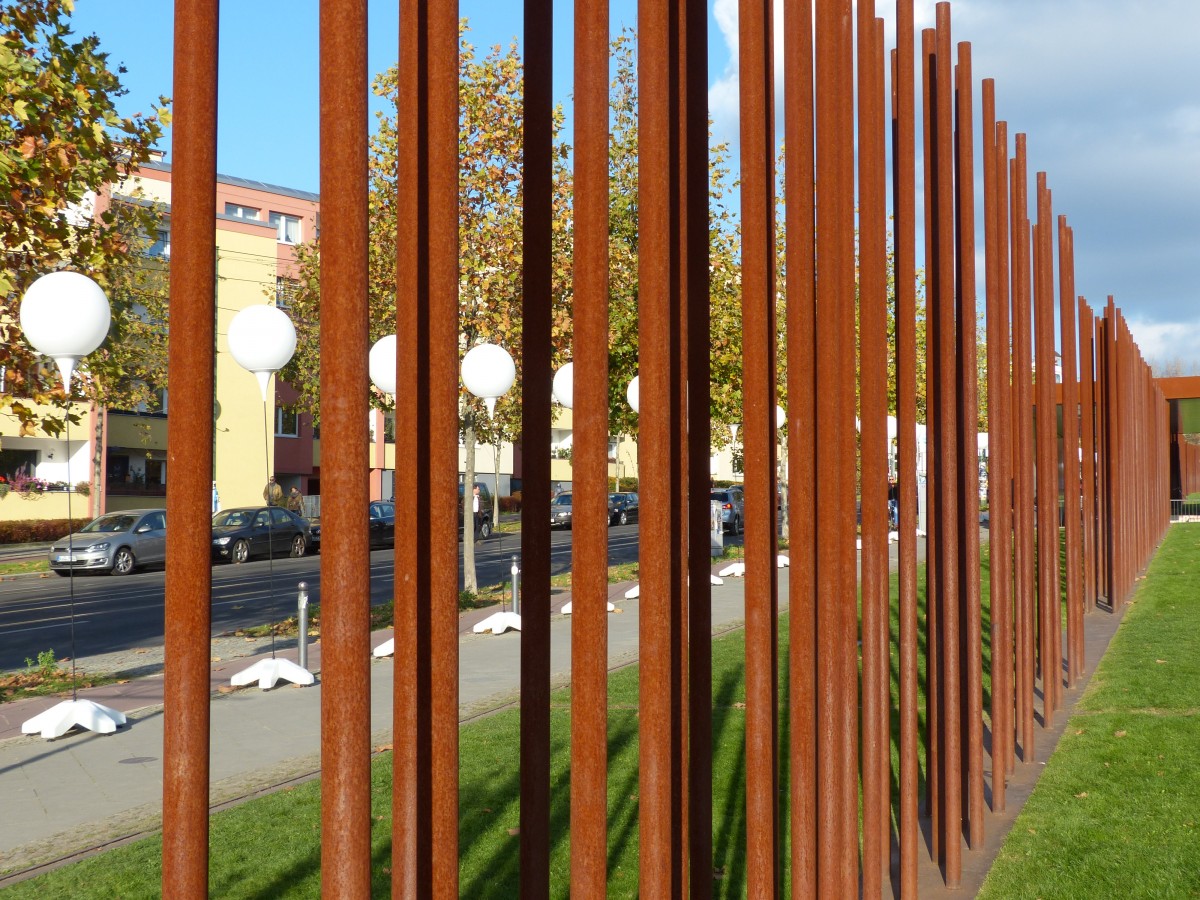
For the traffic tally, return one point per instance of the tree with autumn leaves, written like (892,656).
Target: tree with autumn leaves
(63,146)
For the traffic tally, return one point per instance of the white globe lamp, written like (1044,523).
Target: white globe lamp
(631,393)
(564,385)
(381,363)
(262,339)
(780,416)
(65,315)
(488,372)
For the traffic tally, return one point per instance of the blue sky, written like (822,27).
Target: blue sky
(1106,90)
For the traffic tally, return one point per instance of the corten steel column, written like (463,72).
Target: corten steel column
(1103,462)
(412,804)
(1023,533)
(345,567)
(758,389)
(837,839)
(437,321)
(1072,495)
(1002,545)
(971,656)
(999,509)
(876,738)
(799,184)
(1046,445)
(659,532)
(933,478)
(905,212)
(950,774)
(1088,444)
(695,267)
(589,632)
(591,453)
(190,454)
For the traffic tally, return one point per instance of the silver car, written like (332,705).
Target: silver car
(117,542)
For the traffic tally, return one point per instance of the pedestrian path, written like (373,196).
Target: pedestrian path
(85,790)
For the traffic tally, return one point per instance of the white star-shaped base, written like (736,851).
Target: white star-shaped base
(566,608)
(713,579)
(633,592)
(268,671)
(387,648)
(61,718)
(498,623)
(735,570)
(782,562)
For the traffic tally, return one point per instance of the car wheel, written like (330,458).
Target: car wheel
(623,518)
(298,546)
(485,529)
(123,561)
(240,552)
(738,526)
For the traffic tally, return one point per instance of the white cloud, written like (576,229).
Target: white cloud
(1162,343)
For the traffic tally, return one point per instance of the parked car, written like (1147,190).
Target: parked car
(622,509)
(117,542)
(733,509)
(381,530)
(483,524)
(560,511)
(238,534)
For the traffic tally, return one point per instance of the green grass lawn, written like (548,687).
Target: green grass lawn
(1117,810)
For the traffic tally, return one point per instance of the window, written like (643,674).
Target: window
(287,228)
(242,212)
(285,291)
(287,422)
(161,248)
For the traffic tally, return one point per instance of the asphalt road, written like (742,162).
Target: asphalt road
(121,613)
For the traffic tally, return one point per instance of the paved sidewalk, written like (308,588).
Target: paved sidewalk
(85,790)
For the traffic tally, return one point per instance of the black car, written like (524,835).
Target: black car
(560,511)
(622,509)
(483,521)
(238,534)
(382,524)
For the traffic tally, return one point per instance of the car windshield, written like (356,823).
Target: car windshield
(233,518)
(114,522)
(562,500)
(720,495)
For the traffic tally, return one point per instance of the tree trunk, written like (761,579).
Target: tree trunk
(470,584)
(97,465)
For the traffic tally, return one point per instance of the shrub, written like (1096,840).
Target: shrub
(510,504)
(83,488)
(32,531)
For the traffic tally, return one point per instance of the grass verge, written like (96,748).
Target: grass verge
(1116,812)
(25,567)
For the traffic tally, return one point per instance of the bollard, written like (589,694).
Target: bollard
(516,586)
(302,625)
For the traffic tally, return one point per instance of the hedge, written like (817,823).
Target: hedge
(34,531)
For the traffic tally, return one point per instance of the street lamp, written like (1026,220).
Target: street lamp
(564,393)
(65,315)
(262,340)
(381,363)
(488,372)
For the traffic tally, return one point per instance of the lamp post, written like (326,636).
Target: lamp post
(488,372)
(381,364)
(262,340)
(65,315)
(564,393)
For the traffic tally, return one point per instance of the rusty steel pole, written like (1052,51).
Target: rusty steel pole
(1072,493)
(695,267)
(950,774)
(1023,554)
(837,833)
(1002,533)
(1087,379)
(190,454)
(589,632)
(933,478)
(904,187)
(758,342)
(876,743)
(968,450)
(591,452)
(656,322)
(345,566)
(800,288)
(999,509)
